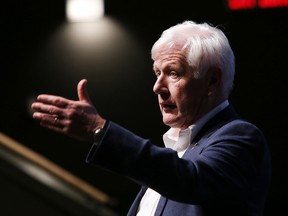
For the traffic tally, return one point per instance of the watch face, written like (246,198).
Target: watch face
(98,135)
(98,130)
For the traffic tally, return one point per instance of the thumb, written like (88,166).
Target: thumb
(82,91)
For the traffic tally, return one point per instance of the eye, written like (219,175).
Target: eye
(173,74)
(157,73)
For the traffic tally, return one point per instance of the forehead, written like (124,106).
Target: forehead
(169,57)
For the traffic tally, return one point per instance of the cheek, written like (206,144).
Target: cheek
(181,97)
(187,98)
(177,93)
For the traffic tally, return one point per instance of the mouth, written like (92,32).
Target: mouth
(168,106)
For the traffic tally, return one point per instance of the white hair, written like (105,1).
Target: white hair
(205,46)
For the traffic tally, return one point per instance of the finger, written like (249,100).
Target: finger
(82,91)
(53,100)
(48,120)
(48,109)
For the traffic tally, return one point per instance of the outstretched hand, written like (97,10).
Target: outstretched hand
(77,119)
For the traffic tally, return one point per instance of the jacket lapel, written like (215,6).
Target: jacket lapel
(134,207)
(161,205)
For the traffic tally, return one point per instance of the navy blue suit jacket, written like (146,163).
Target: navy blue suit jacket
(225,171)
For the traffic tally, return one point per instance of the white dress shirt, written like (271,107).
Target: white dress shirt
(179,140)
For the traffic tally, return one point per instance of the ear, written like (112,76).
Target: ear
(214,76)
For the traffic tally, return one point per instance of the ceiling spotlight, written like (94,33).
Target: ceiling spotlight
(84,10)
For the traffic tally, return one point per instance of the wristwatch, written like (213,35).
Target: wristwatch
(99,134)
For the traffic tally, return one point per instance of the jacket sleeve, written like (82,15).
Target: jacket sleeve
(222,167)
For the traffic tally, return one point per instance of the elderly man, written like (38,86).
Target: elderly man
(214,163)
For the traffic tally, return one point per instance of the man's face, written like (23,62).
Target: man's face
(182,98)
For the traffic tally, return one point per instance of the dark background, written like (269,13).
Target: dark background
(39,57)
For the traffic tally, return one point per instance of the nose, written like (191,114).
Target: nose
(160,85)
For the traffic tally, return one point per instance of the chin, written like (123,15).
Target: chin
(170,119)
(169,122)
